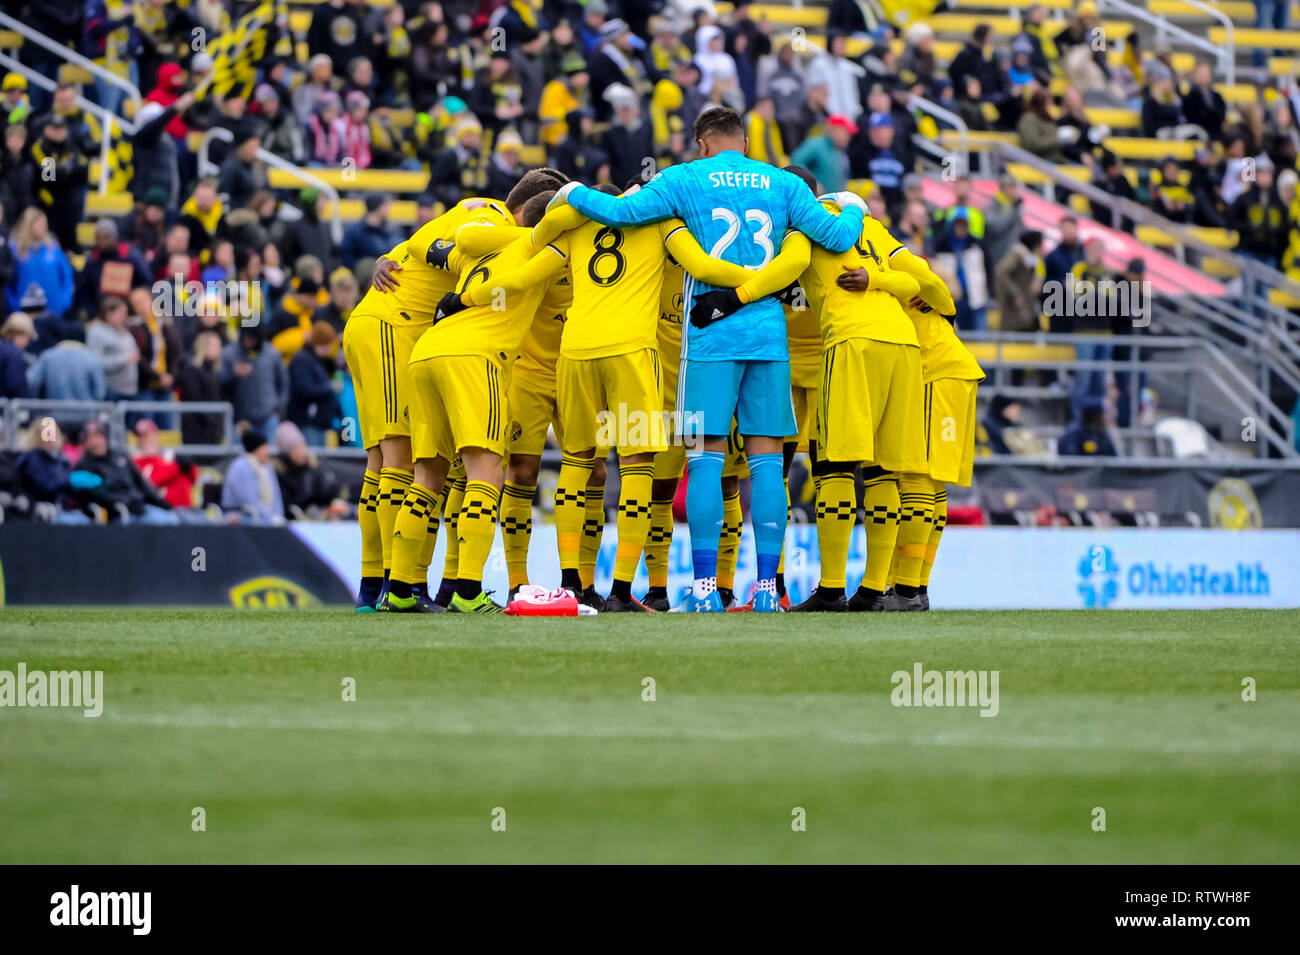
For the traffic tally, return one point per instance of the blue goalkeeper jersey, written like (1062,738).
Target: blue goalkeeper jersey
(738,209)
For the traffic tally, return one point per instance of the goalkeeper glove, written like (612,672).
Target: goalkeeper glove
(712,307)
(448,305)
(844,200)
(561,197)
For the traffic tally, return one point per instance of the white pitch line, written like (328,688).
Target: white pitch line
(939,740)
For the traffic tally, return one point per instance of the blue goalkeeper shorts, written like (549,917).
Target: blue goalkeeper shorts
(756,393)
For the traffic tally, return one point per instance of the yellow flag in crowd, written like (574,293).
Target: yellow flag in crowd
(236,53)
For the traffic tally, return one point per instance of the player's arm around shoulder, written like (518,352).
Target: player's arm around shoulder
(681,245)
(782,272)
(653,202)
(539,268)
(834,232)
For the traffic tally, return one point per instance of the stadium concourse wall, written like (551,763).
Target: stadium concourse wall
(315,564)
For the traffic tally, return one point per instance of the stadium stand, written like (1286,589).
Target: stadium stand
(214,212)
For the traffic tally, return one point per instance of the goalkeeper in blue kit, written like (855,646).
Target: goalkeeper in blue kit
(737,366)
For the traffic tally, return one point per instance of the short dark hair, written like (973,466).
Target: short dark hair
(607,188)
(806,175)
(981,32)
(718,121)
(637,180)
(533,182)
(535,208)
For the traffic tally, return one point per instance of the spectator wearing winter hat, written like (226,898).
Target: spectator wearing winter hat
(505,168)
(14,97)
(242,174)
(283,135)
(251,489)
(326,132)
(618,60)
(305,486)
(121,489)
(112,267)
(560,97)
(881,159)
(356,129)
(313,399)
(112,343)
(629,141)
(320,80)
(1260,218)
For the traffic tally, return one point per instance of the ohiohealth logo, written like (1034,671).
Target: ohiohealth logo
(1099,577)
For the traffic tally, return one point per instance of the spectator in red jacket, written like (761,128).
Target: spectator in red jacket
(171,84)
(173,477)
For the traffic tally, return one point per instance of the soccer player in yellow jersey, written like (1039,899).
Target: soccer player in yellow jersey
(608,377)
(459,377)
(377,342)
(951,377)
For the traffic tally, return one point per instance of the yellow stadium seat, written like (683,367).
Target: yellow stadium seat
(1283,65)
(69,73)
(990,112)
(1030,176)
(402,118)
(1020,351)
(1285,299)
(1238,94)
(1219,269)
(108,204)
(964,24)
(10,40)
(1115,118)
(359,180)
(1017,5)
(1151,150)
(1080,205)
(951,139)
(1258,39)
(86,233)
(299,21)
(808,16)
(1238,11)
(402,213)
(533,155)
(1160,239)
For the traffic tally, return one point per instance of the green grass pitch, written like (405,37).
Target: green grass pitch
(241,713)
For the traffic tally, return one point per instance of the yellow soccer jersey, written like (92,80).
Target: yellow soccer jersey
(541,349)
(942,353)
(421,284)
(618,277)
(804,334)
(873,314)
(497,320)
(670,318)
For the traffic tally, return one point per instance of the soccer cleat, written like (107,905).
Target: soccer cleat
(742,608)
(728,599)
(764,601)
(866,603)
(590,598)
(657,603)
(421,593)
(445,590)
(479,604)
(784,602)
(816,603)
(368,595)
(631,605)
(896,602)
(925,601)
(710,604)
(391,603)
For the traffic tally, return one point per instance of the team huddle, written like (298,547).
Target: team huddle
(724,303)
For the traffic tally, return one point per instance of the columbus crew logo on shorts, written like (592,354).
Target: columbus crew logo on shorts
(516,429)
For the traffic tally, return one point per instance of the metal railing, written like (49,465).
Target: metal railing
(1149,354)
(21,414)
(73,57)
(106,118)
(1225,56)
(940,114)
(207,168)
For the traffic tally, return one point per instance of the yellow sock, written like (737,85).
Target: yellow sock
(936,531)
(880,503)
(372,545)
(593,528)
(659,542)
(476,528)
(733,521)
(517,529)
(633,517)
(451,517)
(837,509)
(431,539)
(916,510)
(570,511)
(411,533)
(393,483)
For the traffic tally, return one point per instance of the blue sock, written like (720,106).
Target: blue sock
(767,510)
(704,509)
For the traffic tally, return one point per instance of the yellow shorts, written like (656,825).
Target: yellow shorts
(457,402)
(950,422)
(670,463)
(805,400)
(377,354)
(870,406)
(615,401)
(533,409)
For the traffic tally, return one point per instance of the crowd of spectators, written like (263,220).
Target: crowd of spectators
(213,286)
